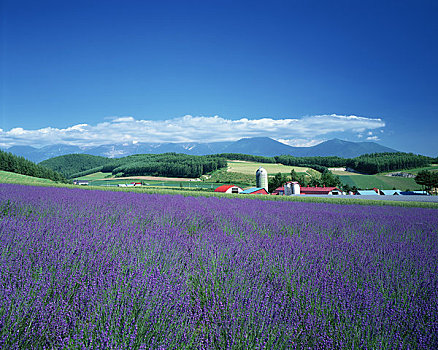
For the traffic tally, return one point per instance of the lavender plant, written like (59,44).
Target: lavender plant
(100,270)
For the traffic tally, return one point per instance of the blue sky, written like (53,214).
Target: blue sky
(83,72)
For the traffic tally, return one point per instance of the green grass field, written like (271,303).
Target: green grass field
(250,168)
(433,167)
(98,179)
(94,176)
(380,181)
(8,177)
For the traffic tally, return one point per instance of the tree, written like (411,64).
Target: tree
(277,181)
(346,188)
(330,180)
(302,180)
(315,181)
(293,175)
(427,179)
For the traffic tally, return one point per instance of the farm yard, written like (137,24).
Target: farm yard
(106,179)
(103,269)
(239,172)
(242,173)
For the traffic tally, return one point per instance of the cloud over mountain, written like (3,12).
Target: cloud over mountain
(191,129)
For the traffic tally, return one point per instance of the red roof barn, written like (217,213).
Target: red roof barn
(279,191)
(321,190)
(228,189)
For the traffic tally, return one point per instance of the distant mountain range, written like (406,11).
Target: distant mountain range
(260,146)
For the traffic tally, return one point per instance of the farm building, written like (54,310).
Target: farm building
(390,192)
(415,193)
(331,191)
(255,190)
(262,179)
(80,182)
(228,189)
(367,193)
(292,187)
(132,184)
(279,191)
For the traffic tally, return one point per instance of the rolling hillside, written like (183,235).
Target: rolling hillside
(9,177)
(19,165)
(74,163)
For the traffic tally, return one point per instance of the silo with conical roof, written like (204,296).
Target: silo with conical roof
(262,178)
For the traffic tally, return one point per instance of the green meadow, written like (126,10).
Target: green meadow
(380,181)
(250,168)
(8,177)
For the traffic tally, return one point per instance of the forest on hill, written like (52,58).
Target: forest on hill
(383,162)
(20,165)
(167,164)
(71,164)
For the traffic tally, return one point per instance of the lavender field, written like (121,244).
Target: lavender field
(100,269)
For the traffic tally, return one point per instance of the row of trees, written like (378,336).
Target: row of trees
(247,157)
(20,165)
(167,164)
(382,162)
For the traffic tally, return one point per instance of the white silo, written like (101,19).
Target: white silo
(262,178)
(291,187)
(288,189)
(296,188)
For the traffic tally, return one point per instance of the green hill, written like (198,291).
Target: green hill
(70,164)
(8,177)
(19,165)
(166,164)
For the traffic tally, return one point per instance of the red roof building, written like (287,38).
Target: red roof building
(228,189)
(377,190)
(255,190)
(321,190)
(279,191)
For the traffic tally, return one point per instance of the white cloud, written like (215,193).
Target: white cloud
(300,142)
(305,131)
(373,138)
(123,119)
